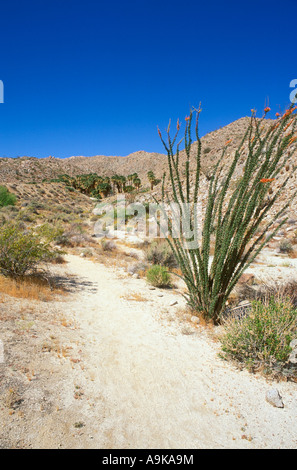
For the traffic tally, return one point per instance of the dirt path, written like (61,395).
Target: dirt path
(153,386)
(141,376)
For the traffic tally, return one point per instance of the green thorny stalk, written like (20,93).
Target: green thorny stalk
(235,220)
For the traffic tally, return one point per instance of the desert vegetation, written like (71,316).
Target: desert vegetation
(262,340)
(49,247)
(235,221)
(6,198)
(158,276)
(21,252)
(100,187)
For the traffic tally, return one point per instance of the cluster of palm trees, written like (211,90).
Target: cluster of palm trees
(90,184)
(101,186)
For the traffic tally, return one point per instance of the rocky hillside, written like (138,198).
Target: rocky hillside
(30,171)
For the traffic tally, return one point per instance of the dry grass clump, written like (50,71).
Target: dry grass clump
(109,254)
(267,291)
(58,259)
(285,246)
(159,252)
(30,287)
(134,296)
(107,245)
(73,238)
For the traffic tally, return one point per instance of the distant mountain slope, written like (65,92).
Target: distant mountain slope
(33,170)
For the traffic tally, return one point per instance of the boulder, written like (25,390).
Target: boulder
(273,398)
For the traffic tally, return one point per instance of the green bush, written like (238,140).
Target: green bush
(158,276)
(261,340)
(6,198)
(21,251)
(162,254)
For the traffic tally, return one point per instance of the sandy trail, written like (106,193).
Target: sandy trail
(148,385)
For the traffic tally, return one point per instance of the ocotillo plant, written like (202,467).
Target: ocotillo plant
(234,217)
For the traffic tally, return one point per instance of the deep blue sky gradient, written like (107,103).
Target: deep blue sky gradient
(92,77)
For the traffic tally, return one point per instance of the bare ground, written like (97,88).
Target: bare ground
(114,365)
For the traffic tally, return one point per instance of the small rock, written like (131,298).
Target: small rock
(293,357)
(273,398)
(195,319)
(293,354)
(243,303)
(135,276)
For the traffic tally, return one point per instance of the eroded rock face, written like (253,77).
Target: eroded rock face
(274,398)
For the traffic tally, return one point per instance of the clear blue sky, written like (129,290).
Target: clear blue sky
(87,77)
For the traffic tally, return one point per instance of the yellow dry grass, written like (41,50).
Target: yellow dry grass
(31,288)
(135,296)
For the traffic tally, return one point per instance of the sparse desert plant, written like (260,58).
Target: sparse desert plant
(285,246)
(158,276)
(262,338)
(108,245)
(31,288)
(237,213)
(6,198)
(87,252)
(21,251)
(162,254)
(266,291)
(207,150)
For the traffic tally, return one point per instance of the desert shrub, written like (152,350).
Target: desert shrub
(21,251)
(81,239)
(6,198)
(285,246)
(49,232)
(158,276)
(129,189)
(57,259)
(63,240)
(87,252)
(207,150)
(162,254)
(266,291)
(107,245)
(26,216)
(240,214)
(262,338)
(137,268)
